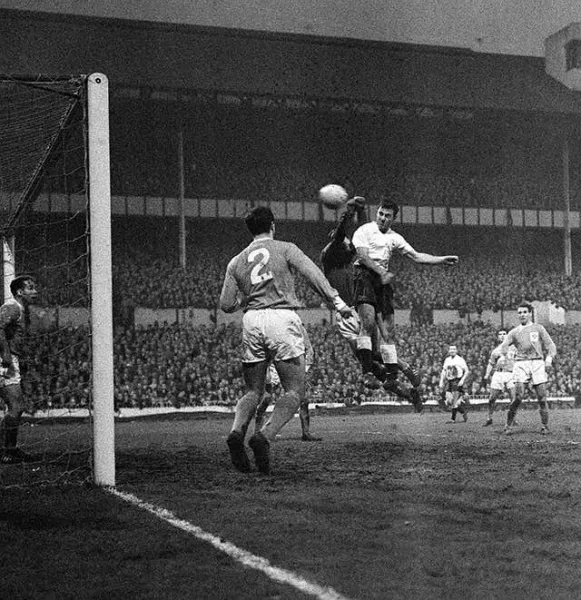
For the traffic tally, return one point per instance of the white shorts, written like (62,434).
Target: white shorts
(271,334)
(502,380)
(11,376)
(530,370)
(348,326)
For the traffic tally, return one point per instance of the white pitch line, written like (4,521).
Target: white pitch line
(246,558)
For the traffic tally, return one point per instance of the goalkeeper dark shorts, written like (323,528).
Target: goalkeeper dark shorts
(452,385)
(368,289)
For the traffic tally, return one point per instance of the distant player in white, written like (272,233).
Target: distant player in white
(260,280)
(499,371)
(452,378)
(375,243)
(535,351)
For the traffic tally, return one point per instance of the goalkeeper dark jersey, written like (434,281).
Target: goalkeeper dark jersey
(337,256)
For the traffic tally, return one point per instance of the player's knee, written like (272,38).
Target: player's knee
(291,400)
(251,399)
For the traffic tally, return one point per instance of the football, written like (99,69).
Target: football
(333,196)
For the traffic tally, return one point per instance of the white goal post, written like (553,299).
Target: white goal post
(101,279)
(37,113)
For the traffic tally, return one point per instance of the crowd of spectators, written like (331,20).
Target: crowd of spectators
(497,268)
(171,365)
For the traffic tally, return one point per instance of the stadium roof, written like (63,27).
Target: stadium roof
(176,56)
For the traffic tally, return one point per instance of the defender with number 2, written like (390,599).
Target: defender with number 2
(260,280)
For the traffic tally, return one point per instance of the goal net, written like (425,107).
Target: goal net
(55,226)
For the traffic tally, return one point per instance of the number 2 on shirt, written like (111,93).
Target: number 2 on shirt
(256,276)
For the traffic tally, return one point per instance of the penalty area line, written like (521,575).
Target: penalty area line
(242,556)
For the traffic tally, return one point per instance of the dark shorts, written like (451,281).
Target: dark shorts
(451,385)
(368,289)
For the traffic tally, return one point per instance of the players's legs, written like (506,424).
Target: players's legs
(364,350)
(292,378)
(454,405)
(494,396)
(457,405)
(305,418)
(519,390)
(254,376)
(12,397)
(261,410)
(411,374)
(386,328)
(541,392)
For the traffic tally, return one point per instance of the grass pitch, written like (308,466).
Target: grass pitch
(386,506)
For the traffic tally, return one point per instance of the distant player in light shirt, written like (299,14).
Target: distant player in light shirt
(375,243)
(499,371)
(452,379)
(535,351)
(260,280)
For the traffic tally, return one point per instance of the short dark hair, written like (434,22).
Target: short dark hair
(19,282)
(526,305)
(389,204)
(259,220)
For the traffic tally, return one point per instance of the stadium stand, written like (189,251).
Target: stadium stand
(170,365)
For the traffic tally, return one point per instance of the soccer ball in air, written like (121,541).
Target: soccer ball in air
(333,196)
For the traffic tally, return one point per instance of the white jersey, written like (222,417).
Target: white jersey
(381,246)
(455,367)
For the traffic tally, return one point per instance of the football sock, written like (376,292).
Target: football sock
(305,418)
(411,374)
(379,370)
(245,410)
(366,360)
(364,353)
(454,411)
(544,415)
(10,426)
(392,385)
(284,410)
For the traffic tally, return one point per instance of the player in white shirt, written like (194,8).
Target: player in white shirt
(375,243)
(499,371)
(452,379)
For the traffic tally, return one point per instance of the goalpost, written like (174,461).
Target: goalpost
(55,224)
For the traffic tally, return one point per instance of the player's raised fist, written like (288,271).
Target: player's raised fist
(356,202)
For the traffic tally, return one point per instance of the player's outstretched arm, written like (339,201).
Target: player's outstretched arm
(431,259)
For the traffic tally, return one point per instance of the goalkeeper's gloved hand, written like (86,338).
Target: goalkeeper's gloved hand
(356,202)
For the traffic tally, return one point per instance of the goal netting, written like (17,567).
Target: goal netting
(54,213)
